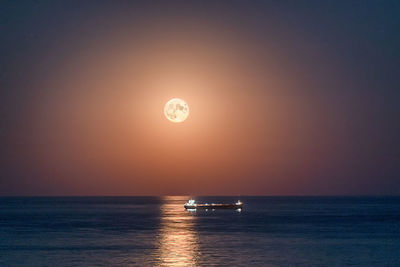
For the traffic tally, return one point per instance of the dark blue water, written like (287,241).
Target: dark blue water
(152,231)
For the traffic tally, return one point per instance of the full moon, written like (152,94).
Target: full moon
(176,110)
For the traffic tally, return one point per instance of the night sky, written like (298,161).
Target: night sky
(285,97)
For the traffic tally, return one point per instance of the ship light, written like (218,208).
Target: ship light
(191,202)
(238,203)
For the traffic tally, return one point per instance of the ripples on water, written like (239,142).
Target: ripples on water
(152,231)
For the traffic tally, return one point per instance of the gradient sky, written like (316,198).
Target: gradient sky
(285,97)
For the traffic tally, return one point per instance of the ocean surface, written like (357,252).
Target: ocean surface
(158,231)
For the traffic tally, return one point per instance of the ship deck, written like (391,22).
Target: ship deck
(214,206)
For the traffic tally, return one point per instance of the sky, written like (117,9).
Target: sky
(285,97)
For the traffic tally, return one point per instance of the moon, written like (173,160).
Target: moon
(176,110)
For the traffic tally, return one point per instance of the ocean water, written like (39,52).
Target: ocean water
(158,231)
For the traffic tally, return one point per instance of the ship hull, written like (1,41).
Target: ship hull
(214,206)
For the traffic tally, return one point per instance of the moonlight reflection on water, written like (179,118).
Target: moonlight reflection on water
(178,243)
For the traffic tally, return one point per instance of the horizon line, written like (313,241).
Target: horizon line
(300,195)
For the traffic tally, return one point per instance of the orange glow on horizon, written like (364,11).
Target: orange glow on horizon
(102,132)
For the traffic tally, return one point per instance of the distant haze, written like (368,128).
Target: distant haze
(285,97)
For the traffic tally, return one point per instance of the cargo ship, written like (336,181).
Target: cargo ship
(191,205)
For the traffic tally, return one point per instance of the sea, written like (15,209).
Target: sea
(158,231)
